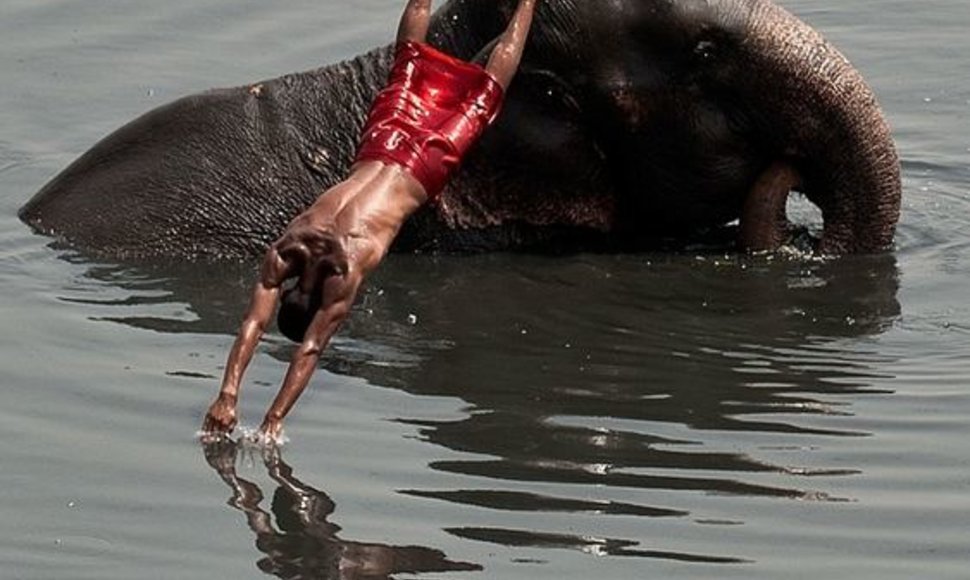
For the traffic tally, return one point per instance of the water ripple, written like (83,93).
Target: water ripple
(592,545)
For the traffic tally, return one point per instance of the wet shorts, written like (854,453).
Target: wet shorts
(433,109)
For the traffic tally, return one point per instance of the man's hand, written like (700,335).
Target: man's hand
(221,417)
(271,431)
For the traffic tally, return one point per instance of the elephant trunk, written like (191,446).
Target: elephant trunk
(834,131)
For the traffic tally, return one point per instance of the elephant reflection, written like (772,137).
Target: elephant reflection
(752,346)
(609,370)
(304,544)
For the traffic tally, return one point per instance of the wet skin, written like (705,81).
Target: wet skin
(330,249)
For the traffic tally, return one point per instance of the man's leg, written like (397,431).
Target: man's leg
(505,58)
(414,21)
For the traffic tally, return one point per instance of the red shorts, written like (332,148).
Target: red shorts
(434,108)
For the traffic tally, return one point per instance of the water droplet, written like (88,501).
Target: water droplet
(412,319)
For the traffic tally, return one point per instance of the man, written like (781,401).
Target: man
(433,109)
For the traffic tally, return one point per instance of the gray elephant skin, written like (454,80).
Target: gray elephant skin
(631,122)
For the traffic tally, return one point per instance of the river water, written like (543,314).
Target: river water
(497,416)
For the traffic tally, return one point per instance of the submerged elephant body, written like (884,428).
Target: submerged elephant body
(629,122)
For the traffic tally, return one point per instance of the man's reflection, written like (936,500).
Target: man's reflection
(306,545)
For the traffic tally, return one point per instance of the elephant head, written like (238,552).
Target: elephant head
(629,121)
(658,117)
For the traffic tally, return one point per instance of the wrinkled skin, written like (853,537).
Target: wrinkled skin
(630,122)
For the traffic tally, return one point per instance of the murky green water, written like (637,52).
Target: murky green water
(629,416)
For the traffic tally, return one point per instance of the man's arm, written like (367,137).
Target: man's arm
(339,293)
(221,417)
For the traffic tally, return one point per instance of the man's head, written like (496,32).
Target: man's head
(316,257)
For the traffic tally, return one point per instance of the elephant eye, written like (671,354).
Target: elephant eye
(550,90)
(705,50)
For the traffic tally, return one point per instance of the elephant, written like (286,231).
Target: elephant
(631,123)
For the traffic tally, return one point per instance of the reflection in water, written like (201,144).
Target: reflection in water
(306,544)
(573,370)
(622,374)
(590,545)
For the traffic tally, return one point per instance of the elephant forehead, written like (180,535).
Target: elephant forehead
(645,43)
(626,37)
(632,60)
(632,15)
(670,24)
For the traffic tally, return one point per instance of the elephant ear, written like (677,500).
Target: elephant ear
(539,165)
(536,166)
(833,122)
